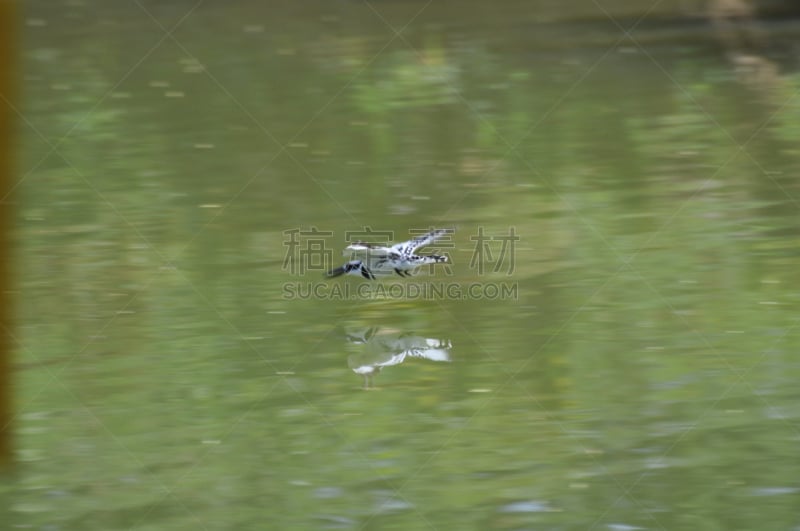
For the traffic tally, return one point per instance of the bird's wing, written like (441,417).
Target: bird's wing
(408,248)
(366,249)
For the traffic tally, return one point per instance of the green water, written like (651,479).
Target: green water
(173,371)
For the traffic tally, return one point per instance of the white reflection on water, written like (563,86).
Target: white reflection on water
(530,506)
(387,347)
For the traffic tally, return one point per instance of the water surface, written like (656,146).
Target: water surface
(173,374)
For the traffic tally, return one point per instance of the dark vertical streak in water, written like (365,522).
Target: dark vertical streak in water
(7,22)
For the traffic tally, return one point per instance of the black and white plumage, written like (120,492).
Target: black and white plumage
(398,258)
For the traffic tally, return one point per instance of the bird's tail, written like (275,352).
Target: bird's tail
(435,259)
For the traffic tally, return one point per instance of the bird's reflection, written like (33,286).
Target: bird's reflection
(386,347)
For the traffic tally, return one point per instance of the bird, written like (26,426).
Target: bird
(398,258)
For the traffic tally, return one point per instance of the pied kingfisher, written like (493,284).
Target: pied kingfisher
(399,258)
